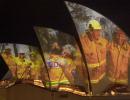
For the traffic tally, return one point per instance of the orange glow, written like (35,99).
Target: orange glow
(38,83)
(72,91)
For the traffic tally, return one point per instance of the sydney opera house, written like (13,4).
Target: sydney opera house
(45,56)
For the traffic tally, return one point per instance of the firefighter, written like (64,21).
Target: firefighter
(10,60)
(55,48)
(119,53)
(67,64)
(94,46)
(23,66)
(36,66)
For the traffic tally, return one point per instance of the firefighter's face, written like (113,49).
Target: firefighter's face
(96,34)
(66,53)
(22,55)
(55,45)
(8,52)
(121,38)
(32,57)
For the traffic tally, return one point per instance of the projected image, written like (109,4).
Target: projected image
(63,59)
(24,62)
(106,48)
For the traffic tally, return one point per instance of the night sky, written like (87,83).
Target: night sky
(18,17)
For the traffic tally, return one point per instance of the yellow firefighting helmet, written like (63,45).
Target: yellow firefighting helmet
(94,24)
(21,52)
(7,50)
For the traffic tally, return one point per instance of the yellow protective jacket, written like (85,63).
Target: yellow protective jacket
(23,68)
(95,53)
(56,73)
(118,62)
(36,69)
